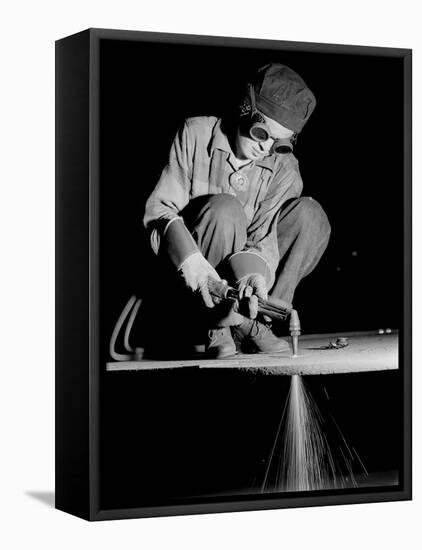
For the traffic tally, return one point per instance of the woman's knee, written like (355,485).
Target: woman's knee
(311,214)
(225,206)
(223,211)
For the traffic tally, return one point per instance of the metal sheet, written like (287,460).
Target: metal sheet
(366,352)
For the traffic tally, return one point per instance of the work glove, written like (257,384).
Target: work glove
(251,287)
(195,271)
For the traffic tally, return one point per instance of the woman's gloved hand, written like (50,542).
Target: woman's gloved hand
(195,271)
(251,287)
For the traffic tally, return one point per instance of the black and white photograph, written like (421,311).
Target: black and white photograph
(251,249)
(248,245)
(210,275)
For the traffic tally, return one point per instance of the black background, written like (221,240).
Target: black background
(351,160)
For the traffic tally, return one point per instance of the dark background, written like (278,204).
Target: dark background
(157,437)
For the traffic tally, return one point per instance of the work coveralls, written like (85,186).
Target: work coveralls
(207,205)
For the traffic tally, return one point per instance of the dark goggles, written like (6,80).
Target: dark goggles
(259,131)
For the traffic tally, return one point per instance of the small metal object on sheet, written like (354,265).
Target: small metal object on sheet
(341,342)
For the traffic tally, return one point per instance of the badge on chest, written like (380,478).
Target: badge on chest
(239,181)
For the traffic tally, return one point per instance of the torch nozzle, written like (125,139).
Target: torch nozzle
(294,328)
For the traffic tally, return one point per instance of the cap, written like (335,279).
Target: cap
(281,94)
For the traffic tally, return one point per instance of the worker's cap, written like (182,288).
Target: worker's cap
(281,94)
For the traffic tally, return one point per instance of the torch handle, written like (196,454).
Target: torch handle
(276,311)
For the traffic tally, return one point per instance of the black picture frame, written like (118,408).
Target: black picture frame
(79,360)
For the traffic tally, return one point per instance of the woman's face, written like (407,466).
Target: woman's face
(247,148)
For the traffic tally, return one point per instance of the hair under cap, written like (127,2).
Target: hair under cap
(281,94)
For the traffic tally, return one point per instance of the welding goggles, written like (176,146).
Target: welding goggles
(255,127)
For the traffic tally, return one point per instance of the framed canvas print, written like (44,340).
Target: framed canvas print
(233,274)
